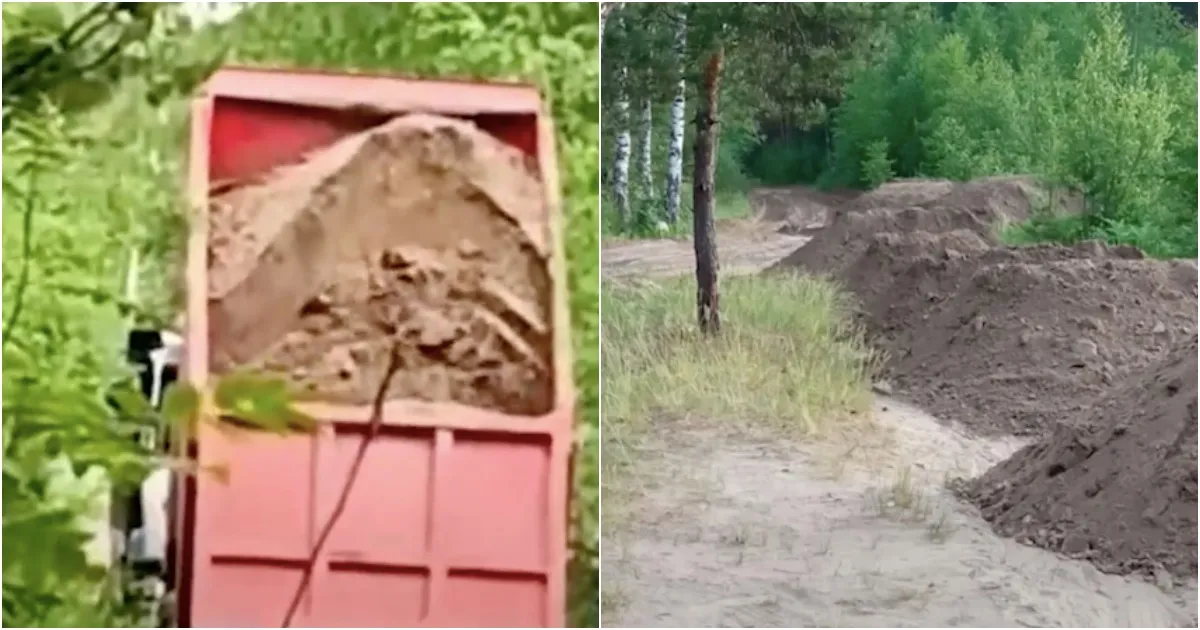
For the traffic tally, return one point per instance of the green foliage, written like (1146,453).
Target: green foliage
(70,409)
(89,180)
(1100,97)
(877,166)
(774,79)
(798,156)
(74,54)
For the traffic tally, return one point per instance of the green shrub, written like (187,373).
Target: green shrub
(877,166)
(1101,97)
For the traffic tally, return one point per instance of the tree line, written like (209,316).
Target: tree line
(1099,97)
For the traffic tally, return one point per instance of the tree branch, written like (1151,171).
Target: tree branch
(373,425)
(62,43)
(23,277)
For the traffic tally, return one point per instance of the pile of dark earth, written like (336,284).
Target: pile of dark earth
(1090,349)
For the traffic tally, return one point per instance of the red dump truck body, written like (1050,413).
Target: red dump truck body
(458,516)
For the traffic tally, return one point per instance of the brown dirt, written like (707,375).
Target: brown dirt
(425,232)
(797,210)
(1023,345)
(741,249)
(1011,340)
(1091,348)
(1004,340)
(933,206)
(1117,486)
(899,277)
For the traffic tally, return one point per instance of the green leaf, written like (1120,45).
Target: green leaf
(261,401)
(181,404)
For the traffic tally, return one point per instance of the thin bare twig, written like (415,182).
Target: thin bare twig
(373,425)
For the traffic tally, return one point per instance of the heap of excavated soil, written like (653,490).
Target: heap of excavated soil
(1022,345)
(797,209)
(901,278)
(1091,348)
(1118,485)
(1004,340)
(933,206)
(424,232)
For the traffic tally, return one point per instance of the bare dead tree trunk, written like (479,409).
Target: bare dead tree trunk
(708,295)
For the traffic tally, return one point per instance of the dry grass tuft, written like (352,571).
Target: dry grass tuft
(787,359)
(786,354)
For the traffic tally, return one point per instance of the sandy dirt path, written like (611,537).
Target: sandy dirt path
(732,529)
(745,532)
(742,250)
(783,221)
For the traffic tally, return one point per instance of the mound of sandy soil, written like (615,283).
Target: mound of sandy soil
(1011,194)
(425,232)
(1118,485)
(1008,340)
(900,275)
(1004,340)
(1091,348)
(933,206)
(1022,345)
(797,210)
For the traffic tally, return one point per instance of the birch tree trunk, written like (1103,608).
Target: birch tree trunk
(621,153)
(708,295)
(645,152)
(606,9)
(675,140)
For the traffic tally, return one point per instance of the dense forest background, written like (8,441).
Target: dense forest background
(1098,97)
(95,129)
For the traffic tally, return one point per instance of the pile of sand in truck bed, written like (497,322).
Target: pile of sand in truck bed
(1117,485)
(1003,340)
(424,232)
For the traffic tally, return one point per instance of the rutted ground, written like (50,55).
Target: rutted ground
(738,529)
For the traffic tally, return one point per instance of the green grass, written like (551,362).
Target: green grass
(1161,238)
(786,356)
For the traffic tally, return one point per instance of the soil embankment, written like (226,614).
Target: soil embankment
(1117,486)
(1085,348)
(424,233)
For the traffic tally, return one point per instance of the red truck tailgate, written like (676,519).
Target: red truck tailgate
(458,514)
